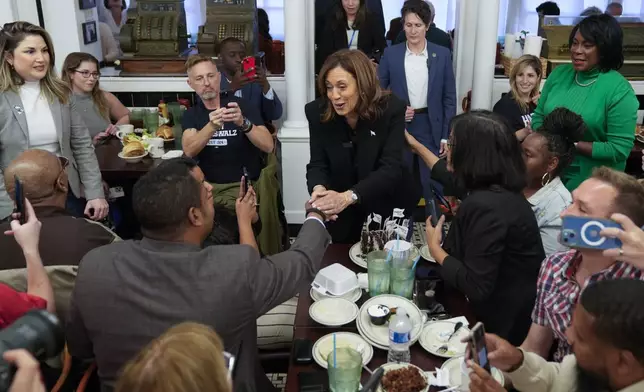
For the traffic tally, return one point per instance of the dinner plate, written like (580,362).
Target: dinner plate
(378,335)
(356,256)
(395,366)
(324,346)
(333,312)
(435,334)
(352,296)
(424,253)
(453,365)
(640,138)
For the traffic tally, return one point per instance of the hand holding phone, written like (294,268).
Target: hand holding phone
(478,347)
(499,352)
(20,208)
(26,234)
(246,183)
(249,65)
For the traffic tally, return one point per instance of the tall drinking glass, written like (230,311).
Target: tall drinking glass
(378,272)
(175,111)
(345,368)
(151,121)
(402,275)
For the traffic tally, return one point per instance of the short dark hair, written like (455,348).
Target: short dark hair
(614,4)
(107,3)
(630,193)
(162,198)
(418,7)
(562,128)
(605,32)
(485,153)
(549,8)
(616,305)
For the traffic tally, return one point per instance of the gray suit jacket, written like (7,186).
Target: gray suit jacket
(129,293)
(73,137)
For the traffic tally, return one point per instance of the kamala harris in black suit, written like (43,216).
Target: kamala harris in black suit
(350,25)
(357,141)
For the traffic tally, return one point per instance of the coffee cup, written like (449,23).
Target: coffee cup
(156,147)
(124,129)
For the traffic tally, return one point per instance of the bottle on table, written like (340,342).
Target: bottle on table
(399,337)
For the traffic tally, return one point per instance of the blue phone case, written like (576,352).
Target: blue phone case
(583,232)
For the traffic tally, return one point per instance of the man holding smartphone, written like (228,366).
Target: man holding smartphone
(249,84)
(607,345)
(222,132)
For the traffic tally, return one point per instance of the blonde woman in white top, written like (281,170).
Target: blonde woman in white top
(547,152)
(35,112)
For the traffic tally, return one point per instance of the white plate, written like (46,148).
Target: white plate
(324,346)
(352,296)
(379,335)
(640,138)
(172,154)
(333,312)
(435,334)
(455,373)
(394,366)
(136,159)
(424,253)
(356,256)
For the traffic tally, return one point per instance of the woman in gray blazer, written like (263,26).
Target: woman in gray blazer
(35,112)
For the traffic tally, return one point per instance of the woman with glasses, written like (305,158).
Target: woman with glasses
(36,112)
(97,108)
(188,357)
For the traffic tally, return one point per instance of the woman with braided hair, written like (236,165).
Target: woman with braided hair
(547,152)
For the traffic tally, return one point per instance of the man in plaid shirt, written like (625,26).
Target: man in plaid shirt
(564,275)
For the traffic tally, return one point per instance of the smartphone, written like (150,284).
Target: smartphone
(433,211)
(583,232)
(478,349)
(247,183)
(21,207)
(229,361)
(249,65)
(303,351)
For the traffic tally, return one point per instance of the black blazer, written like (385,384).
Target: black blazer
(495,253)
(372,165)
(371,37)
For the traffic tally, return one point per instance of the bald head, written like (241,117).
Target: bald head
(40,173)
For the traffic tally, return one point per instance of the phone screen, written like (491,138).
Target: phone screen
(20,201)
(478,349)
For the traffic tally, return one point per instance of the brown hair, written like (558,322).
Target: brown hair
(198,58)
(370,95)
(188,357)
(11,35)
(630,193)
(71,64)
(522,63)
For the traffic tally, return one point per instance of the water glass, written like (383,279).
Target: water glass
(378,272)
(402,277)
(151,121)
(345,368)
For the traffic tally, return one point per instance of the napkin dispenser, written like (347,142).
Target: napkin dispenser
(336,280)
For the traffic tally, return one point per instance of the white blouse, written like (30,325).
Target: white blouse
(40,120)
(352,36)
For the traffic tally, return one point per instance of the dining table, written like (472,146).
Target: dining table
(306,328)
(115,169)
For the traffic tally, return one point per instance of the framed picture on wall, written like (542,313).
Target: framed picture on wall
(89,32)
(86,4)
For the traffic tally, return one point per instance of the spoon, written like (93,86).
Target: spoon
(443,349)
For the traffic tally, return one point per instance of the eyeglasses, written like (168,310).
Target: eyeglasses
(87,74)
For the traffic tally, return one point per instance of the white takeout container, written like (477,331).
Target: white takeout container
(335,279)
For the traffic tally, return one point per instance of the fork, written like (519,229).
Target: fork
(443,349)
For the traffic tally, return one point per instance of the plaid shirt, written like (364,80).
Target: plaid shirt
(558,292)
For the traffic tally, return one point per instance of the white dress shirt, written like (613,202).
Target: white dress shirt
(352,36)
(417,76)
(40,120)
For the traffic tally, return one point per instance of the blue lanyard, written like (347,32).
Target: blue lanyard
(352,37)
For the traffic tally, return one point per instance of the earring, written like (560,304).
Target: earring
(545,181)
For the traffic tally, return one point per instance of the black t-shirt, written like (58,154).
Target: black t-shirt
(229,149)
(512,112)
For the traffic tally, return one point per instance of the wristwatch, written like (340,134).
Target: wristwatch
(354,197)
(247,125)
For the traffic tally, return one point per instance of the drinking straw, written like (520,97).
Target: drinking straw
(334,354)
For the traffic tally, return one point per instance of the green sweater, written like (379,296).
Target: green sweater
(609,109)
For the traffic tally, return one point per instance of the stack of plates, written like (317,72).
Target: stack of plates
(378,336)
(356,256)
(352,296)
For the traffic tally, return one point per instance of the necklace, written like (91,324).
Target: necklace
(584,84)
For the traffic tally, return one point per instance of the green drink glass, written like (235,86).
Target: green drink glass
(378,272)
(403,273)
(345,368)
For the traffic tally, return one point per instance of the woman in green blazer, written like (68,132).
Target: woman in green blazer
(592,88)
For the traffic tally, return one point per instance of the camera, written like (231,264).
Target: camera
(583,232)
(38,332)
